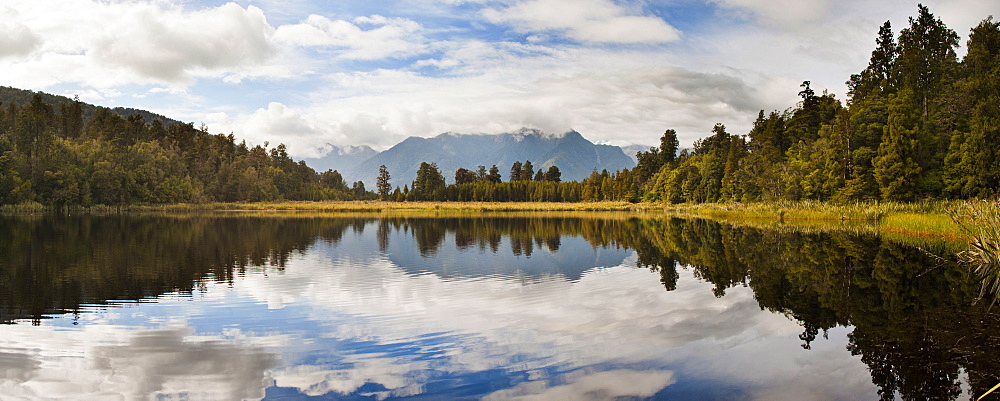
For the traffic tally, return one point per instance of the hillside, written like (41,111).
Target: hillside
(51,153)
(575,156)
(22,97)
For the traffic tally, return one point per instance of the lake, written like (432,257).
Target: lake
(570,306)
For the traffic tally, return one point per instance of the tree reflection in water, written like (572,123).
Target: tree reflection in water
(915,323)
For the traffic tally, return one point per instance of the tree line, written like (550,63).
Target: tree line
(57,158)
(525,184)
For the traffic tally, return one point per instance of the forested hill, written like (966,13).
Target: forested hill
(52,153)
(22,97)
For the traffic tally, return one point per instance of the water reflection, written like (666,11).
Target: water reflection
(497,308)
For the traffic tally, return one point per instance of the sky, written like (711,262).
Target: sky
(315,73)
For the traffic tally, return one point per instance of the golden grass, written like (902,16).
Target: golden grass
(932,219)
(920,219)
(381,206)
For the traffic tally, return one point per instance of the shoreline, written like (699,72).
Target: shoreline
(929,219)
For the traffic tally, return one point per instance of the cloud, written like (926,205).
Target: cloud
(113,44)
(607,385)
(114,362)
(172,45)
(389,37)
(276,124)
(591,21)
(628,106)
(16,40)
(787,13)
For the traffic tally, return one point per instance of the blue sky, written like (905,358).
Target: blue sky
(314,72)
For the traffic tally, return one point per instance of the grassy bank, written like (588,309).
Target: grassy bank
(379,206)
(936,219)
(940,219)
(346,207)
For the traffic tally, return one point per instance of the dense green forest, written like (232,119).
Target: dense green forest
(918,124)
(52,153)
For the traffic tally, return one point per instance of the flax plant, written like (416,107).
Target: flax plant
(981,221)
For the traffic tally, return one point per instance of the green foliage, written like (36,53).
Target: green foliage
(919,124)
(61,158)
(895,169)
(429,184)
(382,182)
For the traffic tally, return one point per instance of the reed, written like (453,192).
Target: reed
(981,221)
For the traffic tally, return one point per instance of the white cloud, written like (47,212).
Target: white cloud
(275,124)
(110,44)
(633,105)
(171,46)
(16,40)
(787,13)
(607,385)
(390,37)
(592,21)
(115,362)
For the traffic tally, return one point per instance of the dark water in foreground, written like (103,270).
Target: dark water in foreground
(551,308)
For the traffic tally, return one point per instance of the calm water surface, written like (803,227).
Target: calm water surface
(569,307)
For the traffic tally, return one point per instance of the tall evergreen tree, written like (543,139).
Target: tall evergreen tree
(668,147)
(877,78)
(494,175)
(382,182)
(527,171)
(972,167)
(926,56)
(515,172)
(896,171)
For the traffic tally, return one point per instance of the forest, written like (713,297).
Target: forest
(918,124)
(57,157)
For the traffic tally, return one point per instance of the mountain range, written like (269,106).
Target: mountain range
(575,156)
(631,150)
(341,158)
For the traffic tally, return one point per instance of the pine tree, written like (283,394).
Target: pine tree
(527,171)
(382,182)
(515,172)
(895,170)
(878,78)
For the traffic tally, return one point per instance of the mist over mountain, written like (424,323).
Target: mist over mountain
(631,150)
(575,156)
(341,158)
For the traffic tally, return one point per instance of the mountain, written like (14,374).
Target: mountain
(341,158)
(575,156)
(631,150)
(22,97)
